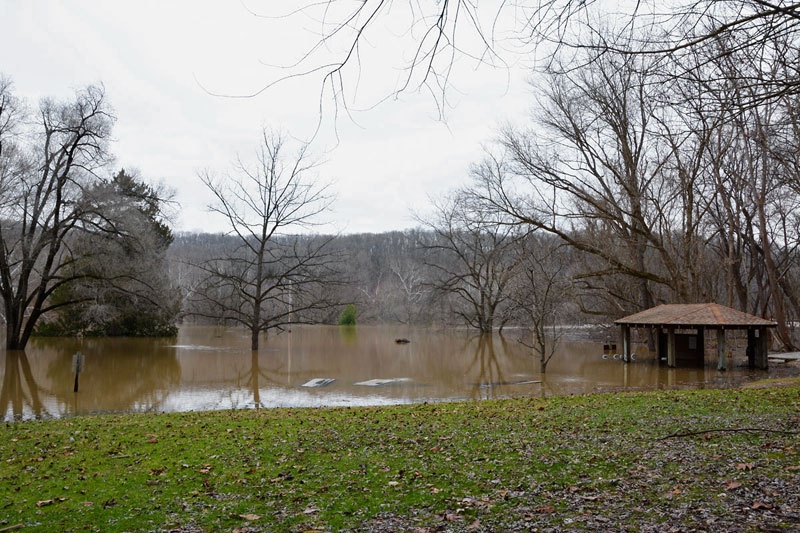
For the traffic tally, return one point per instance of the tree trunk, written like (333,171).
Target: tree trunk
(14,339)
(254,373)
(772,277)
(254,338)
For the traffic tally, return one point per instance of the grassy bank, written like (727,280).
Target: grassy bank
(587,462)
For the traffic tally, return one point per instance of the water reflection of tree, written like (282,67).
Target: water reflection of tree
(119,374)
(254,376)
(348,335)
(485,362)
(13,394)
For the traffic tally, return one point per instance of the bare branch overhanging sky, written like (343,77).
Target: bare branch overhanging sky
(159,61)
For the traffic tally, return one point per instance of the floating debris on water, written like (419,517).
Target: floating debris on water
(197,347)
(379,382)
(503,383)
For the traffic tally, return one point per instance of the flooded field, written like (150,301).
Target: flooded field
(207,368)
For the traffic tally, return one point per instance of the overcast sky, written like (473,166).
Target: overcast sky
(159,61)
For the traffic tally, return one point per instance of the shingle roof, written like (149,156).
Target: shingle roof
(691,315)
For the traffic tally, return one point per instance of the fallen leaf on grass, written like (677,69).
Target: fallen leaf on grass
(475,525)
(43,503)
(793,468)
(393,483)
(545,509)
(152,441)
(672,493)
(745,466)
(249,516)
(732,485)
(311,510)
(761,505)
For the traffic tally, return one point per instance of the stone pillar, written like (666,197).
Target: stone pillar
(751,348)
(722,355)
(671,347)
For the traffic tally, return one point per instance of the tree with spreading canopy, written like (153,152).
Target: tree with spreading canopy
(49,164)
(125,288)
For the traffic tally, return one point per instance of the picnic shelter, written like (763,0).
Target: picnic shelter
(681,328)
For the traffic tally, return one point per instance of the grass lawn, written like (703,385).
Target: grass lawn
(597,462)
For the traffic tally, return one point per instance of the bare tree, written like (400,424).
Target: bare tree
(542,292)
(591,172)
(48,160)
(272,278)
(474,262)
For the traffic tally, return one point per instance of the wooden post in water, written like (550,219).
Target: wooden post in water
(77,366)
(659,335)
(671,347)
(721,354)
(626,343)
(763,349)
(701,343)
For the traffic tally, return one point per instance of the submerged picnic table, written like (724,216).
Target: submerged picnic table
(785,357)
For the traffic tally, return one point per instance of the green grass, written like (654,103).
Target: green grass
(773,382)
(583,462)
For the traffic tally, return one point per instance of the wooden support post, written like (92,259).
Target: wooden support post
(701,343)
(721,350)
(763,349)
(659,335)
(671,347)
(751,348)
(626,343)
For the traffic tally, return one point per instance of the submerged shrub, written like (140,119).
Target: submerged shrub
(348,316)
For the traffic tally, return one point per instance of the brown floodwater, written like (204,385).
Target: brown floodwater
(206,368)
